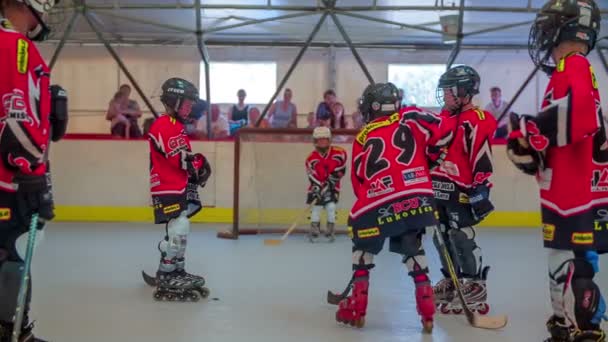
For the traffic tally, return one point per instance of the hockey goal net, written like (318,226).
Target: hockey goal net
(270,181)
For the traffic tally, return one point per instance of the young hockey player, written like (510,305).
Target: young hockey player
(32,114)
(175,175)
(394,197)
(462,188)
(325,167)
(557,146)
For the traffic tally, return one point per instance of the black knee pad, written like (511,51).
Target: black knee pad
(410,246)
(589,306)
(582,269)
(461,241)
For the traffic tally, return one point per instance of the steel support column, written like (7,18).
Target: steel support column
(120,63)
(498,28)
(258,21)
(519,91)
(66,36)
(145,21)
(459,36)
(202,49)
(346,38)
(602,58)
(390,22)
(292,67)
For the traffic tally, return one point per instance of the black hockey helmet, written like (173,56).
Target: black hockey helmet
(559,21)
(175,90)
(463,81)
(380,99)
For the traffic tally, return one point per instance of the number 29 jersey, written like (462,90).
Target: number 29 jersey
(390,166)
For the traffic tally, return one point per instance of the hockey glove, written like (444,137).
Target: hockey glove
(315,194)
(204,173)
(525,159)
(479,199)
(519,151)
(59,112)
(34,195)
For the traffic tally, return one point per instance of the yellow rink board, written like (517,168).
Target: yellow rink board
(268,216)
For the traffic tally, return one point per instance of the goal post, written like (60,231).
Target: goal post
(270,181)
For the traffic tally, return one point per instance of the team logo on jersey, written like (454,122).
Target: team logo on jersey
(5,214)
(415,176)
(593,78)
(368,233)
(403,209)
(177,144)
(548,232)
(22,56)
(15,106)
(599,181)
(381,187)
(450,168)
(582,238)
(537,141)
(463,198)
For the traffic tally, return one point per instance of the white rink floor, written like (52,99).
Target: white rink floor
(88,288)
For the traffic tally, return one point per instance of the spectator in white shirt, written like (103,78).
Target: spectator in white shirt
(497,106)
(219,124)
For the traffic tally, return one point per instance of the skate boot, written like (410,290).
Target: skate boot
(174,287)
(558,329)
(475,294)
(444,293)
(329,234)
(6,333)
(197,281)
(425,304)
(315,231)
(351,310)
(589,336)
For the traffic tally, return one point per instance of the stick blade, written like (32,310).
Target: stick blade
(333,298)
(489,322)
(272,242)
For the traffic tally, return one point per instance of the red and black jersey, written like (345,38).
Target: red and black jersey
(26,103)
(468,162)
(320,166)
(169,147)
(389,164)
(563,134)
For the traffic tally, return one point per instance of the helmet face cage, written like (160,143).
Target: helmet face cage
(461,81)
(558,21)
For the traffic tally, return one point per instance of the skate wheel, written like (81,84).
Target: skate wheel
(444,309)
(457,311)
(170,296)
(483,309)
(158,296)
(204,292)
(427,327)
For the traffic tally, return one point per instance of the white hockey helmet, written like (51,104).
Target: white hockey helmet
(39,8)
(321,133)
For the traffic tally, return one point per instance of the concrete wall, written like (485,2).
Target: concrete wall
(91,76)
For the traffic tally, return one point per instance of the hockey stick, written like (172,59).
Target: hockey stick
(23,288)
(276,242)
(483,322)
(335,299)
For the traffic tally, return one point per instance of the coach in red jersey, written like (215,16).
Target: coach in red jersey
(33,113)
(557,146)
(325,167)
(394,197)
(462,187)
(175,175)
